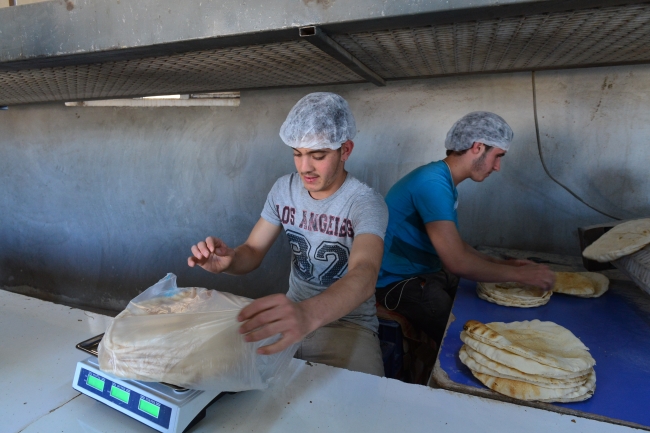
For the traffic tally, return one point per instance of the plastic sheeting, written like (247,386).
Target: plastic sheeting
(187,337)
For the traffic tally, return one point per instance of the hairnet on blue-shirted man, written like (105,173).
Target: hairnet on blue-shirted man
(482,126)
(320,120)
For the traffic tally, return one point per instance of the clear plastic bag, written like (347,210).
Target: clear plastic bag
(187,337)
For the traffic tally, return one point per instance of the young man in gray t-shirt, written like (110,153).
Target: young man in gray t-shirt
(335,225)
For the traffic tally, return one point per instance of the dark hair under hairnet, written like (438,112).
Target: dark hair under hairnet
(482,126)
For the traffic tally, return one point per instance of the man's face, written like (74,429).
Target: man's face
(322,170)
(487,161)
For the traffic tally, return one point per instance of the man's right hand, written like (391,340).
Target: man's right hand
(213,255)
(536,275)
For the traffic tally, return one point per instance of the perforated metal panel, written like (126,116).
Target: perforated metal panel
(586,37)
(283,64)
(576,38)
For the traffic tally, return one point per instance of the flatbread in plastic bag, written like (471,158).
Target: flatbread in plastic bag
(188,337)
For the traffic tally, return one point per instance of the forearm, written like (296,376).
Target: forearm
(483,256)
(342,297)
(245,259)
(475,267)
(464,261)
(248,256)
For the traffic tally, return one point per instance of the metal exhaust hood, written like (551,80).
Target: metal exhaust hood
(105,49)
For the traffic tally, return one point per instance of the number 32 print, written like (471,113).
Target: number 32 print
(327,251)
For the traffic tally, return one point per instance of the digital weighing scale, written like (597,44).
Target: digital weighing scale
(164,407)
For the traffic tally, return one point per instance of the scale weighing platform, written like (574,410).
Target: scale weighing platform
(163,407)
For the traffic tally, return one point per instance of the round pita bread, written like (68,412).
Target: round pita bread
(600,282)
(533,301)
(528,391)
(571,398)
(573,283)
(476,362)
(624,239)
(510,302)
(517,362)
(520,291)
(545,342)
(513,294)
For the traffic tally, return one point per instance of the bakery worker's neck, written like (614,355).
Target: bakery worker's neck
(475,163)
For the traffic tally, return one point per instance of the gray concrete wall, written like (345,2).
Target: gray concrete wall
(99,203)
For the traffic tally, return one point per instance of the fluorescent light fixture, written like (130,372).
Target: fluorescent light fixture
(220,99)
(163,97)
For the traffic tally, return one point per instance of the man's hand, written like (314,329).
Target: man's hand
(213,255)
(271,315)
(536,275)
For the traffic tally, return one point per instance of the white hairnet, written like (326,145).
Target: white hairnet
(320,120)
(482,126)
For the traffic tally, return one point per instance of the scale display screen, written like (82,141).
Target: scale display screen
(120,397)
(120,394)
(149,408)
(95,382)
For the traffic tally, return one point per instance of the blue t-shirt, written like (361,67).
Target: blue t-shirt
(424,195)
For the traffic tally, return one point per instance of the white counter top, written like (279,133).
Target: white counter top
(38,357)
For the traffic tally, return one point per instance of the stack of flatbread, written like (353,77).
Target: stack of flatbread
(583,284)
(513,294)
(187,337)
(530,360)
(622,240)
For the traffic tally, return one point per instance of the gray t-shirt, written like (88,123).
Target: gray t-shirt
(321,232)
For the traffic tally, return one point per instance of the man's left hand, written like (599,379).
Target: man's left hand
(271,315)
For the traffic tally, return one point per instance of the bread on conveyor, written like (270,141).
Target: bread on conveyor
(529,360)
(624,239)
(582,284)
(482,364)
(513,294)
(527,391)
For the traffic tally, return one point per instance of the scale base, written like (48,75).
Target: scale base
(166,409)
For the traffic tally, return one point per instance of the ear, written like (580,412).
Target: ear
(346,150)
(476,147)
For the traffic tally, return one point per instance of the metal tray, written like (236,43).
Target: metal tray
(90,346)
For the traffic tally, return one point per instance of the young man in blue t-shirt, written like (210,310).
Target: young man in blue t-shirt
(424,254)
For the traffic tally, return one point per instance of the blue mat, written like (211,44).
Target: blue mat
(614,327)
